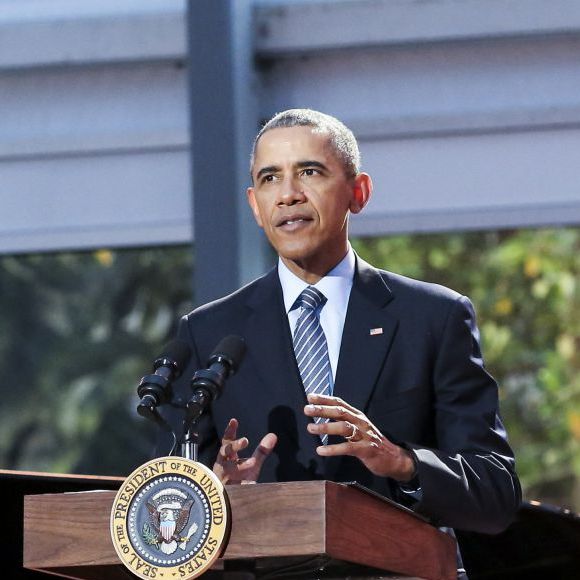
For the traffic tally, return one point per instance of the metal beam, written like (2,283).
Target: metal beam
(68,32)
(492,218)
(306,28)
(467,123)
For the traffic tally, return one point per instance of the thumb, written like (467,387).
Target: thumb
(265,447)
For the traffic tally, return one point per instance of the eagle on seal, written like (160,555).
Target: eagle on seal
(168,515)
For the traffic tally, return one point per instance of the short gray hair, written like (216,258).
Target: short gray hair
(340,136)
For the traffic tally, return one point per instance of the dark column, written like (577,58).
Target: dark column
(229,248)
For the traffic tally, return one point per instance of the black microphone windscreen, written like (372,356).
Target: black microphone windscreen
(231,348)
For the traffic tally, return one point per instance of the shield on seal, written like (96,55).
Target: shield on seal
(167,524)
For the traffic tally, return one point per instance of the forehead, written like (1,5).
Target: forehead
(287,145)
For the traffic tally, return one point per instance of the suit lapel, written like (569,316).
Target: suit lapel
(270,345)
(366,339)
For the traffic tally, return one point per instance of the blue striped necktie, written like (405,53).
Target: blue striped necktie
(310,346)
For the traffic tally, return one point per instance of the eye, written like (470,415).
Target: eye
(310,171)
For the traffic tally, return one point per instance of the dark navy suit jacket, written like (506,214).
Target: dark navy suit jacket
(420,380)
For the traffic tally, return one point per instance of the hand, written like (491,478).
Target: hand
(230,468)
(363,439)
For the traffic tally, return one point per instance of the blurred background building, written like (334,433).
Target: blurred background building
(125,132)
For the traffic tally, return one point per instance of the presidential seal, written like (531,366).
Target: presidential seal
(170,519)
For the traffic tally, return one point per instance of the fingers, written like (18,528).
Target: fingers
(264,449)
(329,401)
(229,451)
(266,446)
(232,469)
(344,419)
(345,429)
(362,439)
(335,411)
(231,430)
(235,471)
(231,446)
(362,449)
(358,442)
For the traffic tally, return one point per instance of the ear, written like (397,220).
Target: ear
(254,205)
(362,191)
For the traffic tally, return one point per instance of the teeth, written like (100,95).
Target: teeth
(290,222)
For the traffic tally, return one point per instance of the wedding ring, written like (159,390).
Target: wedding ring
(355,435)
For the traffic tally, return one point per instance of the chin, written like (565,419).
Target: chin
(297,255)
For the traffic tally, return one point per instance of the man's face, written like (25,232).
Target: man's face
(302,197)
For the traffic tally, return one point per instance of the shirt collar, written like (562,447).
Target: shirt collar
(335,285)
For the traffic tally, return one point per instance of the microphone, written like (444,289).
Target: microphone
(155,389)
(207,384)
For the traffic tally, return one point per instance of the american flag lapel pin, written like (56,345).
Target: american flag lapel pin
(375,331)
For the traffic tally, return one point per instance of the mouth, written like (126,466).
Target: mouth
(292,221)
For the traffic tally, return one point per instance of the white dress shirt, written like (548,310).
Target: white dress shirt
(336,286)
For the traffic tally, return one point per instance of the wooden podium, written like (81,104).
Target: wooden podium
(300,526)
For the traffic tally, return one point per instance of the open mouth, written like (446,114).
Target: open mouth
(292,221)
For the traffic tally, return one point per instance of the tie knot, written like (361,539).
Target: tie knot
(311,298)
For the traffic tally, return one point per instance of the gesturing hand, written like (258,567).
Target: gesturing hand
(362,438)
(231,468)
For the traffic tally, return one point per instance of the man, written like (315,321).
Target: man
(401,401)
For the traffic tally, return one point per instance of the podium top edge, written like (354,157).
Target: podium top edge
(39,475)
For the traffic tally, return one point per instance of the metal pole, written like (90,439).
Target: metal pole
(229,248)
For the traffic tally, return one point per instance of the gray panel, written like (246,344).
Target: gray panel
(305,28)
(94,156)
(51,111)
(411,85)
(87,202)
(480,181)
(63,32)
(482,218)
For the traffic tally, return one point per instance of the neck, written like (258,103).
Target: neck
(312,271)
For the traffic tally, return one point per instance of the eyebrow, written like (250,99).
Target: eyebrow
(303,164)
(299,165)
(267,169)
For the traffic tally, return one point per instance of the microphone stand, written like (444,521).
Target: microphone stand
(190,441)
(193,411)
(189,444)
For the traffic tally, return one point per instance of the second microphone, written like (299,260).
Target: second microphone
(207,384)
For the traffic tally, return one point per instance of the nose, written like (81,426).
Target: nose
(291,192)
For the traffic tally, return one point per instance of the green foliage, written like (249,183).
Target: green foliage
(149,536)
(525,285)
(81,328)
